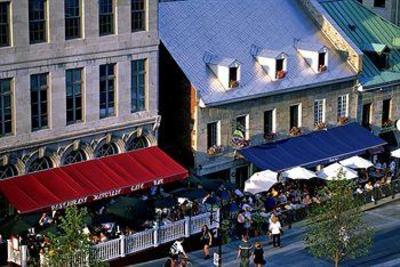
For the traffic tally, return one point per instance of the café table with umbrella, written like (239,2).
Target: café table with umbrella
(260,182)
(332,171)
(357,162)
(298,173)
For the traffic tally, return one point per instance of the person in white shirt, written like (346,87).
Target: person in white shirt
(392,167)
(275,228)
(177,249)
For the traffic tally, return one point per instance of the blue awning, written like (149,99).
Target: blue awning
(310,150)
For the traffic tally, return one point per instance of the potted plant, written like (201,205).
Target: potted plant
(295,131)
(343,120)
(322,68)
(214,150)
(320,126)
(233,84)
(280,74)
(387,124)
(258,223)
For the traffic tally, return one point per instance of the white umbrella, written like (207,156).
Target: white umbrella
(331,172)
(356,162)
(299,173)
(396,153)
(260,182)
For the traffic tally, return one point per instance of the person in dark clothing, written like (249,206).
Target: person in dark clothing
(206,241)
(244,251)
(258,255)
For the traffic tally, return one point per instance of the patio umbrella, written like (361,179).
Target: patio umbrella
(331,172)
(396,153)
(299,173)
(260,182)
(127,208)
(166,202)
(20,224)
(191,194)
(356,162)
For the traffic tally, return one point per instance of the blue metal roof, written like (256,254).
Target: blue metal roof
(228,29)
(310,150)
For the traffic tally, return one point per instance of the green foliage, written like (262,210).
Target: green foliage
(337,231)
(71,246)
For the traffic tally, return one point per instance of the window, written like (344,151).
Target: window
(213,138)
(74,157)
(319,111)
(137,142)
(7,171)
(380,60)
(386,106)
(106,17)
(74,95)
(233,76)
(379,3)
(342,106)
(107,90)
(294,116)
(269,122)
(138,85)
(106,150)
(72,19)
(39,101)
(37,21)
(322,61)
(5,107)
(242,126)
(40,164)
(138,9)
(4,24)
(366,115)
(280,71)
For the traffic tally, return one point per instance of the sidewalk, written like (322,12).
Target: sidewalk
(293,253)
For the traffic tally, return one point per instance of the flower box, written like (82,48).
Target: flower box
(295,131)
(269,136)
(322,68)
(233,84)
(214,150)
(280,74)
(343,120)
(320,126)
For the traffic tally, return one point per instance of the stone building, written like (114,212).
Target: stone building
(78,80)
(388,9)
(379,89)
(235,73)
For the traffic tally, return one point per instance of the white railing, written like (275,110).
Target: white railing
(120,247)
(108,250)
(172,231)
(140,241)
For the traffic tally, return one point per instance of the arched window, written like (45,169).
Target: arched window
(40,164)
(7,171)
(106,150)
(137,142)
(74,157)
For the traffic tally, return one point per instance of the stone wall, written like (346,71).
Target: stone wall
(55,56)
(227,114)
(334,34)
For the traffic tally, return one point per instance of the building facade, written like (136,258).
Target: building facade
(246,84)
(78,79)
(388,9)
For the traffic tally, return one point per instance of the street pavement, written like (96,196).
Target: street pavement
(384,253)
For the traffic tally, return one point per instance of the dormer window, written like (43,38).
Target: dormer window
(322,61)
(378,54)
(316,55)
(273,62)
(233,75)
(227,70)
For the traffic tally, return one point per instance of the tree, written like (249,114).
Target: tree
(337,230)
(71,246)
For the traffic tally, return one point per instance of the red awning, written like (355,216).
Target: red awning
(91,180)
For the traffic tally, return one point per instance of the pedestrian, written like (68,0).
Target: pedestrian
(206,241)
(276,230)
(240,222)
(258,255)
(244,251)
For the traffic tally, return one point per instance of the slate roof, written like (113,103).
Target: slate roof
(229,28)
(363,26)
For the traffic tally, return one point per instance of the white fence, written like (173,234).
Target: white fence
(120,247)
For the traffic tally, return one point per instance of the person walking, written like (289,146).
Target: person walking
(276,230)
(244,251)
(258,253)
(206,241)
